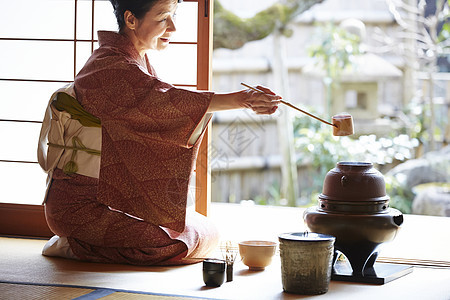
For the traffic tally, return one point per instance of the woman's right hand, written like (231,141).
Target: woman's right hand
(260,103)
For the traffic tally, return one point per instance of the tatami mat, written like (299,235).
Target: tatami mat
(10,291)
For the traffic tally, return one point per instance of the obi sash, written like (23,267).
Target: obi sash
(70,138)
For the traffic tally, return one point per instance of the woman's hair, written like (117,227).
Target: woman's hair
(137,7)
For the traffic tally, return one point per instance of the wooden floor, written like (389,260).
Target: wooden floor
(421,239)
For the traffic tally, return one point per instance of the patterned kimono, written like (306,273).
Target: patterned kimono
(127,205)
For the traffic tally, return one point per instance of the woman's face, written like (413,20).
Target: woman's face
(153,31)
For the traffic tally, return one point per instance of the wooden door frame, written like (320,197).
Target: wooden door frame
(204,74)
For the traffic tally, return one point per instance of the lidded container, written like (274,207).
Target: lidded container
(213,272)
(306,262)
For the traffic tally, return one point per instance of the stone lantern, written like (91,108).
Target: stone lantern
(357,90)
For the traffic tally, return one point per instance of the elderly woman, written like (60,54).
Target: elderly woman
(119,146)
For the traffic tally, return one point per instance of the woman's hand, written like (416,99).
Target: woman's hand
(261,103)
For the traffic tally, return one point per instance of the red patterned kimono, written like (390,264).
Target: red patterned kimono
(135,211)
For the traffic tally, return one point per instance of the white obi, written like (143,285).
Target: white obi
(61,135)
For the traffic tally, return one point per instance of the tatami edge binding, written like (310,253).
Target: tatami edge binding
(100,291)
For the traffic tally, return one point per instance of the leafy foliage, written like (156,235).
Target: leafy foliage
(334,49)
(400,195)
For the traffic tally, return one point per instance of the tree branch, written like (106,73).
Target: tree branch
(232,32)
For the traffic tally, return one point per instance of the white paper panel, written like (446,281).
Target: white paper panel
(22,183)
(104,17)
(36,60)
(25,100)
(19,141)
(186,22)
(84,19)
(177,64)
(37,19)
(83,53)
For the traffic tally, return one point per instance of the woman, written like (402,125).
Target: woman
(119,182)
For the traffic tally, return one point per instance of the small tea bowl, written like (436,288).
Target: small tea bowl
(257,255)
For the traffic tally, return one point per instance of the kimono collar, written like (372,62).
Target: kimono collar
(122,43)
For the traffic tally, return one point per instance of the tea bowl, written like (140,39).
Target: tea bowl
(257,255)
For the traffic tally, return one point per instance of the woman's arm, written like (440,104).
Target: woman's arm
(261,103)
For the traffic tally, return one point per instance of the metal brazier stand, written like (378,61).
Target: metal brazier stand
(354,208)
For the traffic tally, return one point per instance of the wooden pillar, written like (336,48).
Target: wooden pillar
(204,53)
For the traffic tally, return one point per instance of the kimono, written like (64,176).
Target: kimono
(119,160)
